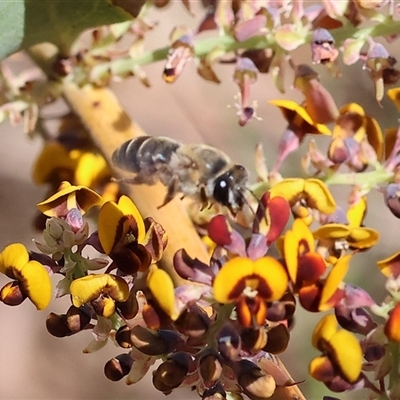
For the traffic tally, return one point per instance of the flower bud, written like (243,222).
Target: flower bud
(56,325)
(210,368)
(282,309)
(217,392)
(11,294)
(253,381)
(130,307)
(171,373)
(104,306)
(118,367)
(123,337)
(75,320)
(253,339)
(155,343)
(278,339)
(323,47)
(78,318)
(193,322)
(229,342)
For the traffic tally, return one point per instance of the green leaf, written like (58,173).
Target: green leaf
(25,23)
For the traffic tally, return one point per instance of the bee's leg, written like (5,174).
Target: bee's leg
(173,188)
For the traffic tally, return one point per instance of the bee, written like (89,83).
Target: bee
(198,171)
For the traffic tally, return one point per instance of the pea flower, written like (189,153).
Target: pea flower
(306,197)
(131,242)
(323,47)
(300,124)
(101,290)
(380,66)
(70,197)
(249,285)
(318,102)
(30,278)
(65,228)
(181,51)
(71,156)
(357,139)
(338,237)
(317,290)
(339,366)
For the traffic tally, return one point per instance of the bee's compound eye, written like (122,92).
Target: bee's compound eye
(222,187)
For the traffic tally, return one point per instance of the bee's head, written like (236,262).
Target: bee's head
(228,188)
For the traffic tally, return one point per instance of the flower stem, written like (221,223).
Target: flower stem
(370,179)
(228,43)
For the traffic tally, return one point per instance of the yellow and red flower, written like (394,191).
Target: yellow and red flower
(307,269)
(30,278)
(300,124)
(340,237)
(305,196)
(69,197)
(132,243)
(101,290)
(250,285)
(339,366)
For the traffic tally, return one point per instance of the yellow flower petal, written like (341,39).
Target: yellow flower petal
(273,274)
(290,251)
(313,191)
(53,157)
(390,139)
(321,369)
(14,256)
(374,135)
(320,196)
(333,280)
(347,354)
(332,232)
(394,95)
(356,212)
(390,265)
(129,208)
(117,220)
(324,330)
(112,225)
(297,242)
(289,189)
(228,277)
(161,286)
(303,232)
(353,108)
(90,287)
(295,113)
(91,168)
(363,238)
(37,284)
(266,275)
(70,196)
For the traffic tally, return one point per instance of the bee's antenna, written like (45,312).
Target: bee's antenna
(259,213)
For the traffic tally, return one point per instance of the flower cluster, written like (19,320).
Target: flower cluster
(290,244)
